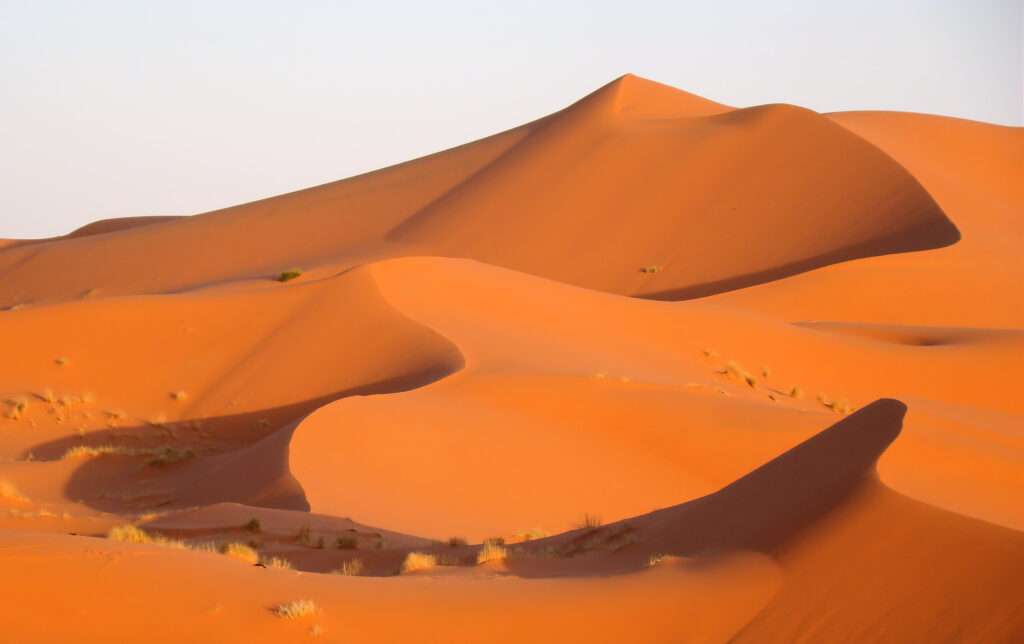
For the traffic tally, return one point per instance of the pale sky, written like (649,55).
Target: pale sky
(124,108)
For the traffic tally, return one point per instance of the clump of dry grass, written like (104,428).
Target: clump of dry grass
(456,542)
(18,406)
(796,392)
(240,551)
(290,274)
(128,533)
(350,568)
(160,455)
(491,552)
(653,268)
(10,492)
(765,372)
(296,609)
(61,361)
(734,369)
(276,562)
(838,406)
(589,521)
(252,525)
(655,559)
(305,536)
(179,395)
(415,561)
(346,543)
(47,396)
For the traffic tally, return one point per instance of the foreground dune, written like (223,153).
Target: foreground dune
(739,374)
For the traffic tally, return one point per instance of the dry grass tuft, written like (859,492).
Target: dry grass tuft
(653,268)
(159,455)
(589,521)
(491,552)
(346,543)
(796,392)
(838,406)
(415,561)
(240,551)
(351,568)
(276,562)
(296,609)
(655,559)
(61,361)
(252,525)
(529,535)
(290,274)
(734,369)
(11,493)
(456,542)
(179,395)
(128,533)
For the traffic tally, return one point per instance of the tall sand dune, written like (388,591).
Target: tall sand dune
(651,368)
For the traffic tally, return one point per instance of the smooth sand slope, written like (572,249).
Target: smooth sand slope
(710,374)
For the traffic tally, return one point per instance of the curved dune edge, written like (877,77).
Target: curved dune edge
(805,508)
(643,417)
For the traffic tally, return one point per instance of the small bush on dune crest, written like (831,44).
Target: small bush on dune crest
(491,552)
(252,525)
(290,274)
(296,609)
(241,552)
(415,561)
(456,542)
(590,521)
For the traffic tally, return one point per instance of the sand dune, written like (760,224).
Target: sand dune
(712,374)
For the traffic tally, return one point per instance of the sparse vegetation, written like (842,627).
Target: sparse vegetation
(179,395)
(491,552)
(61,361)
(416,561)
(296,609)
(590,521)
(159,455)
(346,543)
(654,268)
(128,533)
(47,396)
(305,535)
(796,392)
(351,568)
(655,559)
(276,562)
(456,542)
(241,552)
(290,274)
(733,368)
(529,535)
(18,406)
(765,372)
(252,525)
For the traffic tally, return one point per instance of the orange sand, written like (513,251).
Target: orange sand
(774,352)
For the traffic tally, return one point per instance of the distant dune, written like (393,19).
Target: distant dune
(648,369)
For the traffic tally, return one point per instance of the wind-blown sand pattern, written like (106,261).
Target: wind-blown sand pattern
(708,374)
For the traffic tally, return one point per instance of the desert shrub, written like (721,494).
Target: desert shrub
(240,551)
(590,521)
(415,561)
(346,543)
(289,274)
(456,542)
(351,568)
(296,609)
(252,525)
(276,562)
(491,552)
(128,533)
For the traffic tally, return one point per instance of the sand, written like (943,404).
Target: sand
(711,374)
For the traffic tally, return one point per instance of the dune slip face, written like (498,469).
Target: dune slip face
(651,368)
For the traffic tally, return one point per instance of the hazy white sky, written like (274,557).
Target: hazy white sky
(139,107)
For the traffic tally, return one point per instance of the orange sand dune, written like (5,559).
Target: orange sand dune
(712,375)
